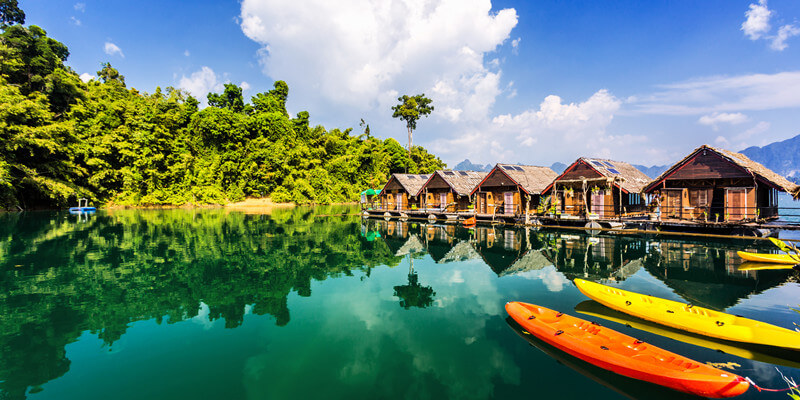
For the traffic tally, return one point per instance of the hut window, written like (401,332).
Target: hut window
(698,198)
(634,198)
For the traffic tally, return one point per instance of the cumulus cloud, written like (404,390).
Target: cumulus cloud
(360,53)
(753,92)
(200,83)
(785,32)
(86,77)
(715,119)
(757,26)
(75,21)
(81,7)
(112,49)
(757,22)
(554,131)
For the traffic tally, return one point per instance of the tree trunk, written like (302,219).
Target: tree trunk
(409,141)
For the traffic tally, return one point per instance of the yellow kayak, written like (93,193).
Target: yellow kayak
(760,266)
(690,318)
(595,309)
(770,258)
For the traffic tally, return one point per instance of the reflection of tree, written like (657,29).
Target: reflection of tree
(414,294)
(59,279)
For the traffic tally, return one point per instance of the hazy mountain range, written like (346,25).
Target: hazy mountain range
(782,157)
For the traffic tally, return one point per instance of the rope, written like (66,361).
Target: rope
(761,389)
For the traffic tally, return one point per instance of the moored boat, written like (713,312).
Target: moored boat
(789,259)
(625,355)
(689,317)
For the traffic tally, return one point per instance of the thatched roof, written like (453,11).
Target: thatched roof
(412,246)
(462,182)
(462,251)
(738,159)
(796,193)
(412,183)
(628,177)
(532,179)
(533,260)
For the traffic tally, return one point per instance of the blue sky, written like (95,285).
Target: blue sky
(532,82)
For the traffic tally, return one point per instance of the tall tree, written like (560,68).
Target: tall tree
(10,13)
(411,109)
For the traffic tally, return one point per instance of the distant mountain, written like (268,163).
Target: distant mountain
(558,167)
(467,165)
(652,172)
(781,157)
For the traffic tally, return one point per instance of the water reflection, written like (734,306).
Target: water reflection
(433,327)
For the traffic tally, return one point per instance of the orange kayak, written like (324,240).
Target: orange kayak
(624,355)
(469,221)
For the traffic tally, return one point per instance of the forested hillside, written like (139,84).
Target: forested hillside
(62,139)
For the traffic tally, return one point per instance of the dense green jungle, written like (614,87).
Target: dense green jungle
(62,139)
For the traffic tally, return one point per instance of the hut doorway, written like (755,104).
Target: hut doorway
(508,202)
(443,201)
(399,201)
(735,204)
(598,203)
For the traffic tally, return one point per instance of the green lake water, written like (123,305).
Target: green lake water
(307,303)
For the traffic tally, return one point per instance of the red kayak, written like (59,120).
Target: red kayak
(469,221)
(624,355)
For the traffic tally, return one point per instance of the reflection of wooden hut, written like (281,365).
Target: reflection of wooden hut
(718,185)
(450,190)
(462,251)
(512,190)
(598,188)
(401,192)
(533,260)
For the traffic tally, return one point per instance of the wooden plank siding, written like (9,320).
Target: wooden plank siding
(717,186)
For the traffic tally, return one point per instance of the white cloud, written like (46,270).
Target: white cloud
(553,131)
(757,22)
(245,86)
(715,119)
(200,83)
(86,77)
(81,7)
(111,49)
(186,53)
(754,92)
(353,54)
(785,32)
(75,21)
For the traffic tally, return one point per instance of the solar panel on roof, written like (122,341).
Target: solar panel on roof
(613,171)
(463,173)
(518,168)
(449,173)
(411,177)
(424,177)
(608,164)
(508,167)
(597,163)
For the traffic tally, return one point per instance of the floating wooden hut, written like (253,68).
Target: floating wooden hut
(595,188)
(401,192)
(717,185)
(511,191)
(449,191)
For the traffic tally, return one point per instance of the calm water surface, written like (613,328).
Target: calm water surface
(297,304)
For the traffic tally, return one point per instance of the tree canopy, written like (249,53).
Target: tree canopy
(410,110)
(62,139)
